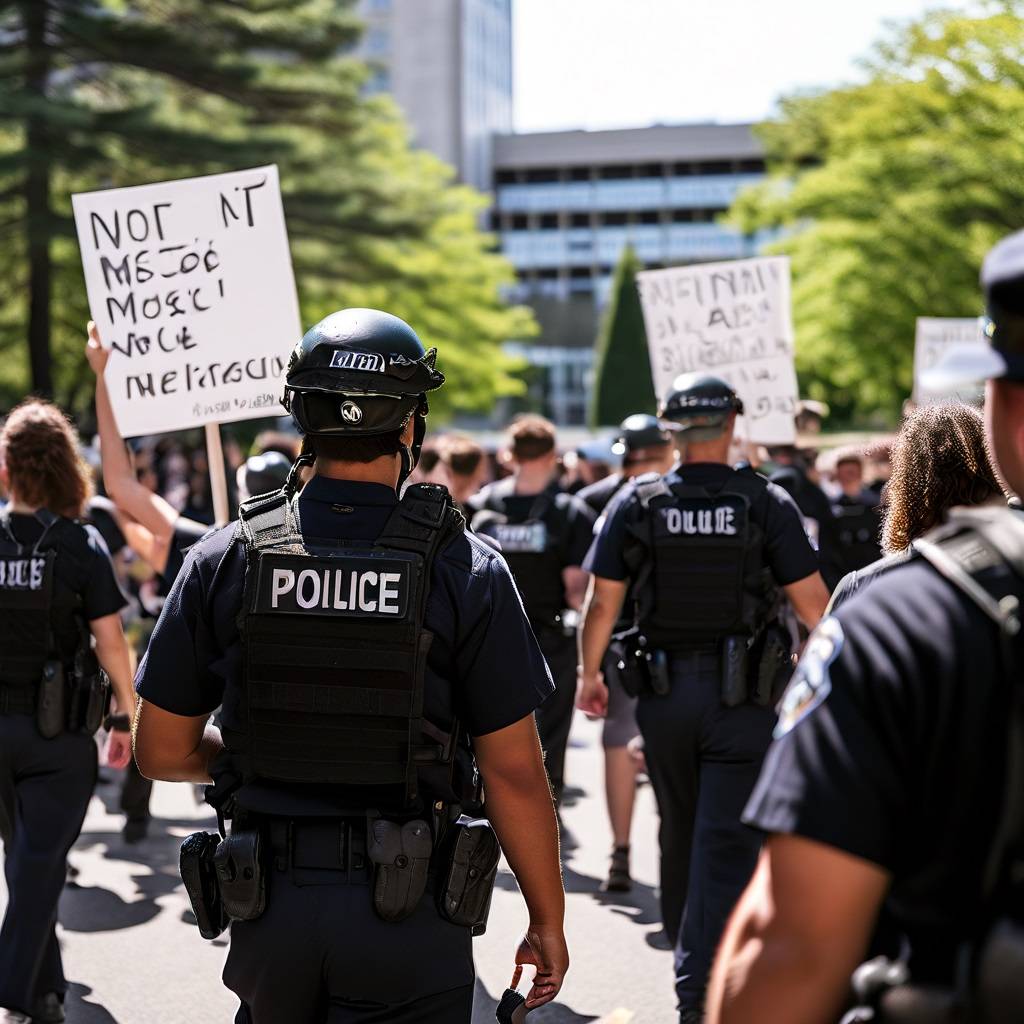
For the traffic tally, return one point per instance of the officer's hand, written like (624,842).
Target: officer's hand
(119,749)
(545,948)
(592,695)
(95,353)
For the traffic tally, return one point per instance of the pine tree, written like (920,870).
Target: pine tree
(105,93)
(623,384)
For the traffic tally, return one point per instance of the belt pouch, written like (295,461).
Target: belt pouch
(401,857)
(200,878)
(734,671)
(97,698)
(656,663)
(240,874)
(774,667)
(622,664)
(50,701)
(470,859)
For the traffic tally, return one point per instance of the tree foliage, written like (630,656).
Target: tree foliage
(105,93)
(889,193)
(623,383)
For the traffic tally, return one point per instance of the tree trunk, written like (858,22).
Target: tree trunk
(39,224)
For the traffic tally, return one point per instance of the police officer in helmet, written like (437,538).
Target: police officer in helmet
(891,796)
(708,554)
(370,655)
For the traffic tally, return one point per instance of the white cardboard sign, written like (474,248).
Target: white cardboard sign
(732,320)
(190,283)
(936,338)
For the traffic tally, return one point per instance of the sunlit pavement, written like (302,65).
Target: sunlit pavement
(132,958)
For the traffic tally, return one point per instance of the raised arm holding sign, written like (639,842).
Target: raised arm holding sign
(732,320)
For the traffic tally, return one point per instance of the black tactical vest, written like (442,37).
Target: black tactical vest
(334,651)
(531,548)
(28,596)
(697,557)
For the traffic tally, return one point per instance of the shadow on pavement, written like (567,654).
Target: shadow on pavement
(484,1005)
(81,1012)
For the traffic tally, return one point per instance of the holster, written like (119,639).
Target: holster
(469,857)
(658,678)
(200,877)
(886,996)
(774,666)
(241,875)
(400,853)
(735,665)
(622,663)
(51,712)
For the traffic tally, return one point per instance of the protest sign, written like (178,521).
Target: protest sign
(190,283)
(938,338)
(732,320)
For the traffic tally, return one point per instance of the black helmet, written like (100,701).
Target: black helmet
(699,404)
(265,472)
(641,430)
(360,373)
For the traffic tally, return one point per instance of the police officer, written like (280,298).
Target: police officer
(889,796)
(644,446)
(59,604)
(544,534)
(365,649)
(857,513)
(709,552)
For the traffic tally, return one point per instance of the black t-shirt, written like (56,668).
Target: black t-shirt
(788,553)
(597,495)
(856,581)
(891,747)
(186,533)
(484,666)
(101,515)
(819,520)
(859,524)
(82,566)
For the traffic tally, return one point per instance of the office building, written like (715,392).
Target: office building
(566,203)
(448,65)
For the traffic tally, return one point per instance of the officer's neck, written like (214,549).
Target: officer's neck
(716,450)
(533,476)
(386,470)
(18,507)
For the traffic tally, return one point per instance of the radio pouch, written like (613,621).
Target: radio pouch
(774,667)
(239,863)
(401,857)
(200,878)
(470,855)
(50,702)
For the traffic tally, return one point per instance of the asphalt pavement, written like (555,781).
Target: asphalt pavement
(133,956)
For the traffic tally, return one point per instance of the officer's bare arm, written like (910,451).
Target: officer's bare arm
(174,748)
(112,654)
(796,936)
(601,610)
(574,579)
(809,598)
(522,812)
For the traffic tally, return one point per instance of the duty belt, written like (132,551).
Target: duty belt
(17,700)
(322,844)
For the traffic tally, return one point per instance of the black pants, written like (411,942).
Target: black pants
(135,793)
(45,786)
(703,759)
(320,955)
(554,716)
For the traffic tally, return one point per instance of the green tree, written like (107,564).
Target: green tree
(889,193)
(103,93)
(623,383)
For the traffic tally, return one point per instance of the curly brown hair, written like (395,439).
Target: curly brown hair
(939,460)
(39,448)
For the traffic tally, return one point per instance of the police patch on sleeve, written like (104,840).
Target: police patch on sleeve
(811,683)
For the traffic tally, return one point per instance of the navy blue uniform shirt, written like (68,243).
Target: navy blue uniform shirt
(788,553)
(484,666)
(891,746)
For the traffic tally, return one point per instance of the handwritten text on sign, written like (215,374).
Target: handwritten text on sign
(936,338)
(732,320)
(191,285)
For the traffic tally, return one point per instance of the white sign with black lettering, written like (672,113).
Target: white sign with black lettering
(732,320)
(938,337)
(190,283)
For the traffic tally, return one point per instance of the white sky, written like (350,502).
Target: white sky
(621,63)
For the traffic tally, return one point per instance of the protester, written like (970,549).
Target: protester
(59,624)
(939,461)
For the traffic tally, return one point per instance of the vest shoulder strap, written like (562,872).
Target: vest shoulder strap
(422,520)
(266,520)
(651,486)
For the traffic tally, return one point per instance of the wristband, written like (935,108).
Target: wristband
(118,723)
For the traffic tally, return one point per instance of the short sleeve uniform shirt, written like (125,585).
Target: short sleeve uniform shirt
(890,746)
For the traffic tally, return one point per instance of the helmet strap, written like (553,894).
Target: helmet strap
(306,458)
(411,453)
